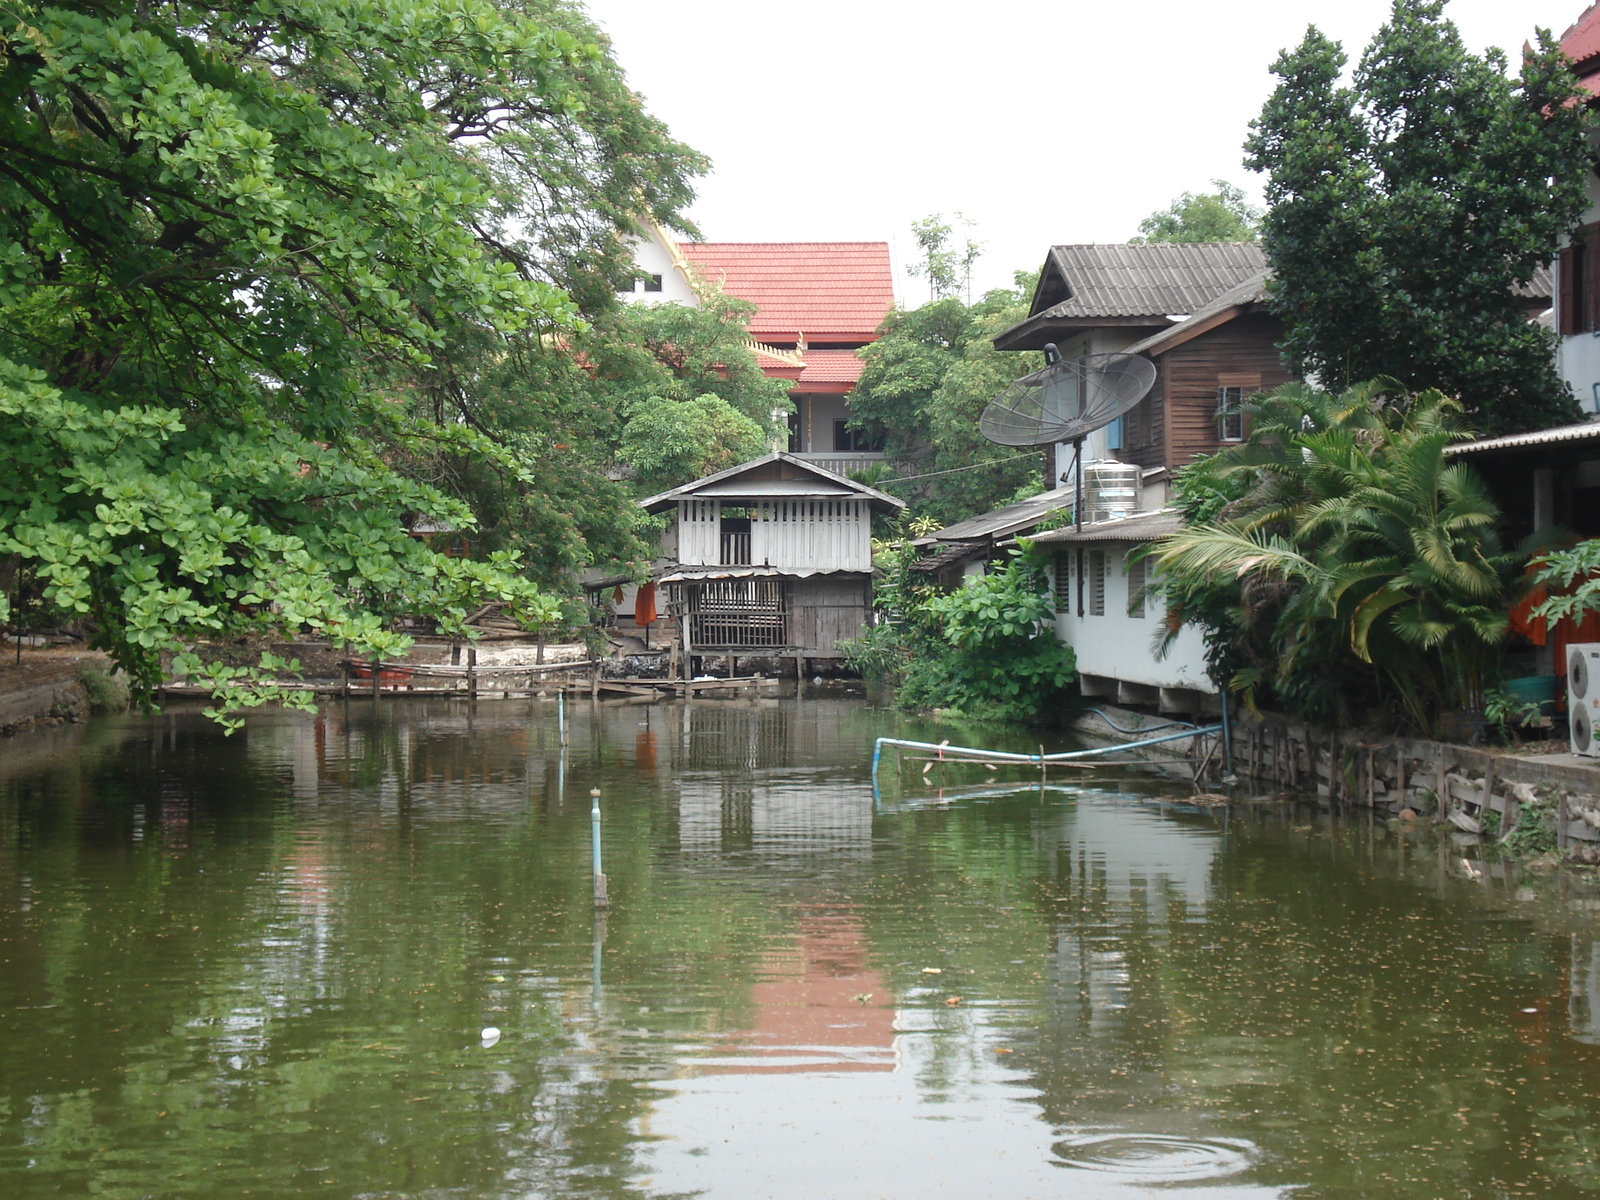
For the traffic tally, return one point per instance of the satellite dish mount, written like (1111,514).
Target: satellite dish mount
(1065,401)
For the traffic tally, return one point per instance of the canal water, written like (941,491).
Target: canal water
(354,955)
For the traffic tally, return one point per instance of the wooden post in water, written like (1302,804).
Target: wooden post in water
(377,670)
(1561,821)
(594,680)
(472,672)
(1441,802)
(344,678)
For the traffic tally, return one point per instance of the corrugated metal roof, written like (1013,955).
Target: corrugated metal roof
(1008,519)
(949,556)
(882,501)
(686,574)
(1141,527)
(1251,291)
(1584,431)
(829,291)
(1154,279)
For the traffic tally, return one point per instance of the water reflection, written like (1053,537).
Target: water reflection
(266,965)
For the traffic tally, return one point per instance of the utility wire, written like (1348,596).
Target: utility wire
(993,462)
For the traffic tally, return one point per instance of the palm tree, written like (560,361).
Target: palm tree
(1359,566)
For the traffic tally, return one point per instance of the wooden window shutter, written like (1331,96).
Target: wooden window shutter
(1569,290)
(1063,588)
(1590,317)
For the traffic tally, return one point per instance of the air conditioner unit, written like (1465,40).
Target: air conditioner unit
(1583,697)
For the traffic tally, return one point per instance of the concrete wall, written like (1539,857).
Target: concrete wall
(1117,647)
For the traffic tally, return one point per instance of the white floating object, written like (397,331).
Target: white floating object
(489,1036)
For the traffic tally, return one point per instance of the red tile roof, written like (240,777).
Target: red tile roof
(831,366)
(829,291)
(1581,44)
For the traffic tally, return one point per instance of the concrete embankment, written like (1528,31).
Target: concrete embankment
(43,687)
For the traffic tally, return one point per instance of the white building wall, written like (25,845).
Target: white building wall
(1097,445)
(1116,645)
(653,258)
(823,535)
(1578,355)
(699,532)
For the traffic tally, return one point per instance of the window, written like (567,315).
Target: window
(1114,434)
(652,283)
(796,444)
(1230,414)
(1097,583)
(1136,584)
(1578,283)
(1063,583)
(853,441)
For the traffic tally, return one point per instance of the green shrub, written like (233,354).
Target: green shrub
(106,688)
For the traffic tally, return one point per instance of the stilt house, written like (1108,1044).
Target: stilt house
(772,558)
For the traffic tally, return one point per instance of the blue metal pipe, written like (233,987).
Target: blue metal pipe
(1034,759)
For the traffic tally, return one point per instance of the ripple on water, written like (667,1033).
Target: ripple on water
(1153,1157)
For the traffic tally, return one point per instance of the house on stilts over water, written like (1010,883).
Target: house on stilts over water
(769,559)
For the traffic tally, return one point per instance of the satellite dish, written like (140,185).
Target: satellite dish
(1067,399)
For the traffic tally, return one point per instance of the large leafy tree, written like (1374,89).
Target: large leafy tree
(1220,216)
(658,392)
(231,238)
(1405,209)
(1340,565)
(926,381)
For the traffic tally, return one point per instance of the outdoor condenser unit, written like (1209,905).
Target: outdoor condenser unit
(1583,697)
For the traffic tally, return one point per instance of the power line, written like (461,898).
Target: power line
(993,462)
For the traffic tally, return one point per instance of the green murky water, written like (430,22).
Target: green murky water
(263,967)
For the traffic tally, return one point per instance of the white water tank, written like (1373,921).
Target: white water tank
(1110,490)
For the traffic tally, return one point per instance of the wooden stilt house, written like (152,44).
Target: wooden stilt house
(772,558)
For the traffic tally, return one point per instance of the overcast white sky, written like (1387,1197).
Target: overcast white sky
(1042,121)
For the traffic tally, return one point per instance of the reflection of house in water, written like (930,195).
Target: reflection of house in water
(766,778)
(819,1006)
(1144,873)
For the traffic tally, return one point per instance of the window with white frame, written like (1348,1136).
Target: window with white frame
(1230,414)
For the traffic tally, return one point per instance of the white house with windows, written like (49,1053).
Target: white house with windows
(1104,613)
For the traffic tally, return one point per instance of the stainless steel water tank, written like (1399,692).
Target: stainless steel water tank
(1110,490)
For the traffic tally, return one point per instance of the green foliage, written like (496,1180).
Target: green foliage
(229,243)
(948,269)
(107,690)
(1573,577)
(1402,212)
(671,442)
(1339,564)
(986,651)
(1220,216)
(926,381)
(1534,833)
(1506,712)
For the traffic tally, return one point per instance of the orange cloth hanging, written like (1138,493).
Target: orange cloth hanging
(644,604)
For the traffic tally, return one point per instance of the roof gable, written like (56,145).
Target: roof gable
(774,475)
(1251,295)
(827,291)
(1144,279)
